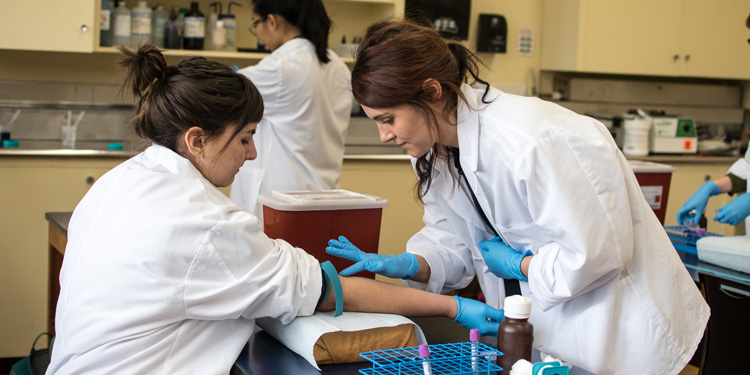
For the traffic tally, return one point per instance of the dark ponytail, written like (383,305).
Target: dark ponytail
(309,16)
(393,61)
(196,92)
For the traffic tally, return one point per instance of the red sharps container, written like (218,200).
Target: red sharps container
(309,218)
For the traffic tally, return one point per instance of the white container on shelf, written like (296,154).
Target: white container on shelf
(158,21)
(636,135)
(121,20)
(140,29)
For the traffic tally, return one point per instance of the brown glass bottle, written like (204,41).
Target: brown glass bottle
(515,335)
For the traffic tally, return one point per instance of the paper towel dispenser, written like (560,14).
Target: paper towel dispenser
(493,33)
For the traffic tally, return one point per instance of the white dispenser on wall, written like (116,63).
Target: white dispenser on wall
(140,29)
(121,21)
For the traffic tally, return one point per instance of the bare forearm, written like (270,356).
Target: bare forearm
(423,275)
(368,295)
(724,184)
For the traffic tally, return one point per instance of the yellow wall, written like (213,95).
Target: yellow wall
(510,68)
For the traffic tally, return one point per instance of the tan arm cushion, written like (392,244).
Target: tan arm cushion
(345,346)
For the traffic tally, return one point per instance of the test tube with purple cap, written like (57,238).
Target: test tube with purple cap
(474,339)
(424,353)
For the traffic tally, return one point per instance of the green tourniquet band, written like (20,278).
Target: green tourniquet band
(333,278)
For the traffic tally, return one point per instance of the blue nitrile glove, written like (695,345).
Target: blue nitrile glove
(697,202)
(404,266)
(475,314)
(502,260)
(735,211)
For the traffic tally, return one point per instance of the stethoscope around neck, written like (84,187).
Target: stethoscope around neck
(512,287)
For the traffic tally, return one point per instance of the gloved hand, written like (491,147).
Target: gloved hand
(475,314)
(698,203)
(404,266)
(502,260)
(735,211)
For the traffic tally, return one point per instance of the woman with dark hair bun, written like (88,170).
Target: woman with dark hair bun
(305,86)
(163,273)
(531,199)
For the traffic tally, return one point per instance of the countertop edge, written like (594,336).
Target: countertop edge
(667,159)
(128,154)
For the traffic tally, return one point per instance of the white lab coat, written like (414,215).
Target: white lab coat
(300,139)
(609,293)
(741,169)
(164,274)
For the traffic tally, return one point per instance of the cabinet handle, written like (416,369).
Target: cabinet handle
(687,57)
(676,57)
(90,180)
(84,28)
(707,177)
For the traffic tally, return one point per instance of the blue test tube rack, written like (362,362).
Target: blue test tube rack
(685,241)
(445,359)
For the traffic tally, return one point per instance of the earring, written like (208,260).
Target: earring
(197,154)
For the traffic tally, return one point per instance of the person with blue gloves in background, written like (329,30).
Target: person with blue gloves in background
(523,194)
(734,182)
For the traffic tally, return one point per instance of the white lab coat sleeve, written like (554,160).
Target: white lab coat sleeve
(267,77)
(240,272)
(449,259)
(580,203)
(741,168)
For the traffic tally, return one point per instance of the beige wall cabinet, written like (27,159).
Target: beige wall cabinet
(32,186)
(691,38)
(49,25)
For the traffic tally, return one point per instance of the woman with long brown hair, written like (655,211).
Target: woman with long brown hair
(525,195)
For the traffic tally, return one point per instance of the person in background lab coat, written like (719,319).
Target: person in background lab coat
(164,274)
(563,212)
(305,87)
(734,182)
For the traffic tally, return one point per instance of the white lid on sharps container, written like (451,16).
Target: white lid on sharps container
(517,307)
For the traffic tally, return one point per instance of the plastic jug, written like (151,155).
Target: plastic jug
(230,25)
(636,134)
(122,25)
(157,25)
(140,29)
(211,19)
(172,33)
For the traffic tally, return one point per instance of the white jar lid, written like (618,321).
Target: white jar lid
(517,307)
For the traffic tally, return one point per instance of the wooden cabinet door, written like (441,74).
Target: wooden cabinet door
(630,37)
(714,39)
(49,25)
(33,186)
